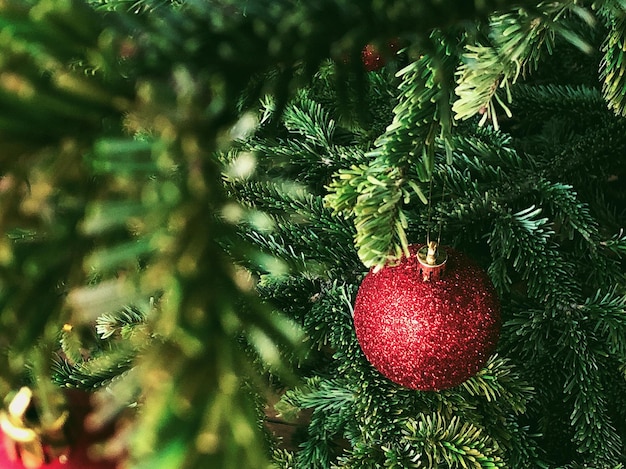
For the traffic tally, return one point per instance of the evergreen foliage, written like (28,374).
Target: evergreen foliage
(529,207)
(230,170)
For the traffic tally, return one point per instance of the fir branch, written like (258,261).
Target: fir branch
(134,6)
(375,191)
(283,459)
(329,321)
(275,197)
(71,344)
(594,433)
(362,455)
(437,440)
(50,115)
(606,312)
(423,112)
(189,68)
(309,141)
(299,159)
(332,403)
(541,102)
(497,381)
(126,155)
(525,240)
(293,294)
(518,39)
(325,395)
(571,215)
(303,231)
(96,372)
(122,322)
(277,256)
(308,119)
(523,330)
(617,244)
(481,74)
(522,447)
(509,396)
(612,64)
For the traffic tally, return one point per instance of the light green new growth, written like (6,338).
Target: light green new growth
(517,41)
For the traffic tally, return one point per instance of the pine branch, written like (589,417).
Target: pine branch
(308,119)
(594,433)
(121,323)
(541,102)
(523,448)
(608,311)
(612,64)
(95,372)
(330,319)
(374,194)
(332,402)
(301,228)
(518,39)
(437,440)
(375,191)
(498,382)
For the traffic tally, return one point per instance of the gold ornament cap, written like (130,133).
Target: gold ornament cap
(432,262)
(32,443)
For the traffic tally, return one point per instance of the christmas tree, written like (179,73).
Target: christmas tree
(193,192)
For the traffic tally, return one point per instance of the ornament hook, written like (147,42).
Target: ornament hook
(432,259)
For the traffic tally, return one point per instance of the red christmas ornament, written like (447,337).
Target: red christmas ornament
(27,446)
(429,322)
(373,59)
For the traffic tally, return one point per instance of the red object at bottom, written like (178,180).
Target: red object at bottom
(78,458)
(80,443)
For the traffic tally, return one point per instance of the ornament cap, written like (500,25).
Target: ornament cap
(32,443)
(432,262)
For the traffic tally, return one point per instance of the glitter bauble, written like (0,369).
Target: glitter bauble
(427,334)
(374,59)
